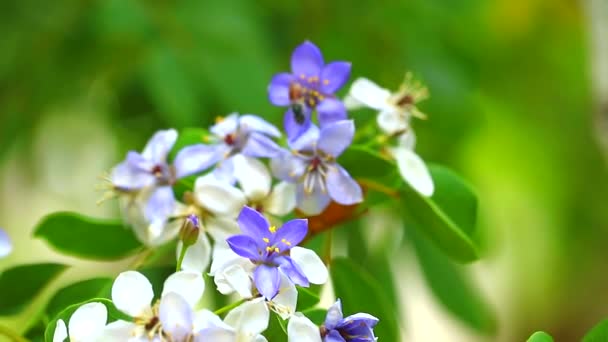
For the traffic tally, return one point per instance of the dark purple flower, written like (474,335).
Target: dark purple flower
(310,86)
(312,165)
(355,328)
(268,248)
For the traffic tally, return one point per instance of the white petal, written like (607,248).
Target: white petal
(197,256)
(391,121)
(309,262)
(206,319)
(189,285)
(284,303)
(226,125)
(176,316)
(351,103)
(217,335)
(253,177)
(88,321)
(255,123)
(249,318)
(260,338)
(414,171)
(370,94)
(234,278)
(61,332)
(408,139)
(218,197)
(302,329)
(221,228)
(223,257)
(132,293)
(118,331)
(282,199)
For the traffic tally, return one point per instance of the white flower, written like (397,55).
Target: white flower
(5,244)
(85,325)
(302,329)
(173,314)
(245,323)
(396,110)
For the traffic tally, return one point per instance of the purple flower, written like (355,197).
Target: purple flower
(268,247)
(312,165)
(357,328)
(310,86)
(151,169)
(5,244)
(247,135)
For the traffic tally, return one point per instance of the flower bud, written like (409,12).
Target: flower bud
(190,230)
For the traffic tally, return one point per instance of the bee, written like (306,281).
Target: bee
(298,112)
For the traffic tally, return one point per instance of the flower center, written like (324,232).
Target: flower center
(405,100)
(165,175)
(306,91)
(230,139)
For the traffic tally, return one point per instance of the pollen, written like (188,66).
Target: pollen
(272,229)
(286,242)
(266,240)
(326,82)
(268,249)
(219,119)
(276,249)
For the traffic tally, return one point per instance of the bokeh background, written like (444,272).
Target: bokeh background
(516,108)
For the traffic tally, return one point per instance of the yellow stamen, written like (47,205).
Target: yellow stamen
(272,229)
(276,249)
(266,240)
(219,119)
(269,249)
(286,242)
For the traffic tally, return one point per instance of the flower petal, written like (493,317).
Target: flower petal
(216,334)
(331,110)
(253,177)
(284,303)
(158,147)
(161,204)
(307,141)
(254,123)
(88,321)
(392,122)
(336,137)
(176,316)
(311,265)
(197,256)
(125,177)
(351,103)
(408,139)
(334,336)
(334,76)
(249,318)
(5,244)
(306,60)
(220,228)
(312,203)
(341,187)
(132,293)
(288,167)
(414,171)
(267,280)
(234,278)
(370,94)
(226,125)
(219,198)
(223,256)
(282,199)
(194,159)
(296,124)
(190,285)
(302,329)
(292,271)
(245,246)
(61,332)
(334,315)
(119,331)
(224,171)
(260,146)
(206,319)
(291,233)
(253,223)
(278,89)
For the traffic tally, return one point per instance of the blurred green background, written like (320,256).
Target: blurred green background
(511,109)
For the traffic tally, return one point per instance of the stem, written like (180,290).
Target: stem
(13,336)
(370,184)
(141,259)
(182,254)
(327,247)
(229,307)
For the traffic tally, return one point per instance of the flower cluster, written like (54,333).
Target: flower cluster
(232,222)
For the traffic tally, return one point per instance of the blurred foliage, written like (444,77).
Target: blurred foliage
(510,107)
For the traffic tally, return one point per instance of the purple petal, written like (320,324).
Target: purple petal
(253,224)
(158,147)
(306,60)
(125,176)
(195,159)
(334,315)
(253,123)
(334,336)
(341,187)
(260,146)
(331,110)
(267,280)
(161,204)
(292,271)
(336,137)
(278,89)
(226,125)
(295,127)
(288,167)
(5,244)
(334,76)
(291,233)
(307,141)
(139,163)
(313,203)
(176,316)
(361,318)
(245,246)
(224,171)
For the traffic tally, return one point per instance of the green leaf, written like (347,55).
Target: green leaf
(77,293)
(541,336)
(89,238)
(187,137)
(448,217)
(276,329)
(361,292)
(306,298)
(19,285)
(364,162)
(316,315)
(113,314)
(599,333)
(452,288)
